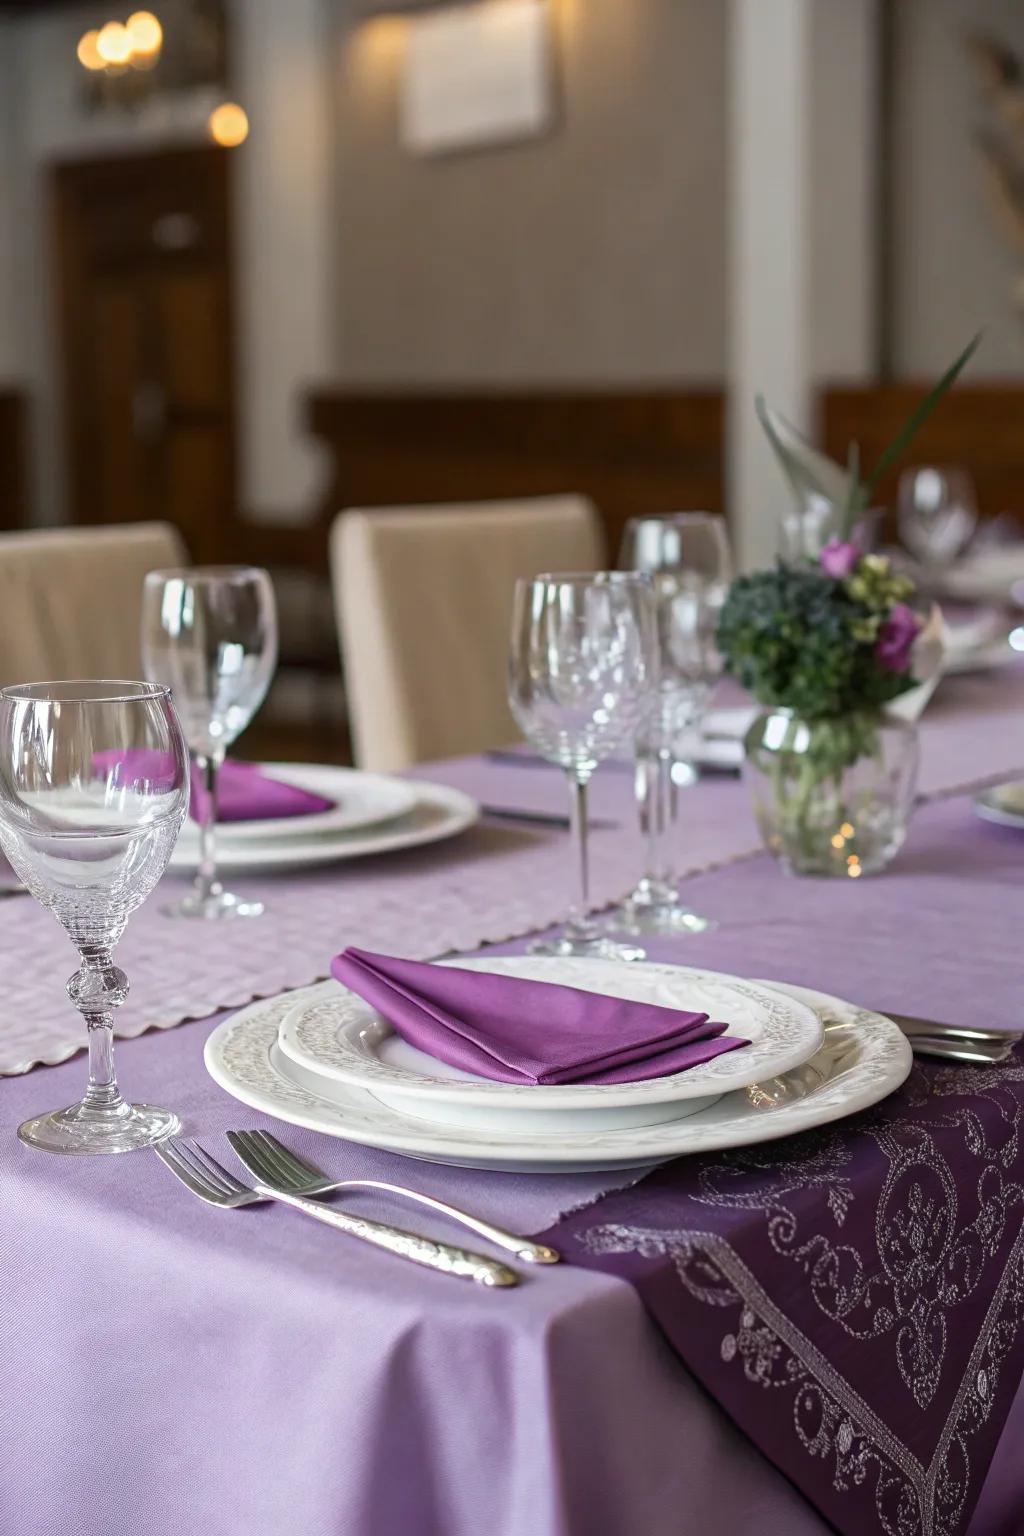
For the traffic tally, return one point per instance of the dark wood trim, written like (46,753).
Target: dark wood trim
(979,426)
(14,460)
(629,451)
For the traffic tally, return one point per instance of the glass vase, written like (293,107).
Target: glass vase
(831,796)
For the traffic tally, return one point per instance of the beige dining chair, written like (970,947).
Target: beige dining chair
(423,597)
(71,599)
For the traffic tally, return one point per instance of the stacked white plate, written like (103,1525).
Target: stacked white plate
(370,813)
(323,1058)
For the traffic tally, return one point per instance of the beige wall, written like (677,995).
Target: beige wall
(952,271)
(596,255)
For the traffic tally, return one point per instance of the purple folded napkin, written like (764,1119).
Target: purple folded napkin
(520,1031)
(244,791)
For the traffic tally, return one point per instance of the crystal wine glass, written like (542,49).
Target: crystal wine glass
(93,790)
(689,561)
(210,635)
(938,513)
(582,668)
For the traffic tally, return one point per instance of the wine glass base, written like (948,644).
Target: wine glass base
(654,920)
(219,906)
(82,1132)
(596,947)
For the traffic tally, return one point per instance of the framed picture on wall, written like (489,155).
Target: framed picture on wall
(477,75)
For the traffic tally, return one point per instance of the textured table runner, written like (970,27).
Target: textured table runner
(494,883)
(854,1297)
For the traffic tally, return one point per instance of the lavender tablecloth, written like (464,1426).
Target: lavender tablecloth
(165,1366)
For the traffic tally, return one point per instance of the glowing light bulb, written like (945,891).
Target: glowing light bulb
(88,51)
(145,34)
(228,125)
(113,44)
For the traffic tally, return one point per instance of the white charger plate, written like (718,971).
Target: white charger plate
(862,1058)
(438,812)
(1003,804)
(361,800)
(339,1039)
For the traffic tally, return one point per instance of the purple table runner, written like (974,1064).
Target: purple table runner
(853,1298)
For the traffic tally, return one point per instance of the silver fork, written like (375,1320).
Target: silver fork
(205,1177)
(270,1160)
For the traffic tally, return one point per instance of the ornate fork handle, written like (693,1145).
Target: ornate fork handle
(407,1245)
(522,1247)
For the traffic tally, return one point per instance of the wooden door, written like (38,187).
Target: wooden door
(145,334)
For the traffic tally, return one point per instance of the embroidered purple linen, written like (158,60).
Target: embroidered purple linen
(853,1298)
(519,1031)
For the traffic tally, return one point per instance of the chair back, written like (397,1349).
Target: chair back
(423,597)
(71,599)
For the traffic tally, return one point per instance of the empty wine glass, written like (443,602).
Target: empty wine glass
(210,635)
(938,513)
(93,790)
(581,669)
(689,561)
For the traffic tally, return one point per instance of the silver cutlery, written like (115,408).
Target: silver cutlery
(973,1045)
(944,1050)
(930,1027)
(205,1177)
(534,818)
(271,1162)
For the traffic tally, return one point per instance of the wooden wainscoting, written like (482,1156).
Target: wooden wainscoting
(979,426)
(14,497)
(630,452)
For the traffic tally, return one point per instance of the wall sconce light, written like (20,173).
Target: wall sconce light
(121,45)
(228,125)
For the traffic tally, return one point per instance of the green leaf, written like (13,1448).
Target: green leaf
(853,500)
(801,481)
(917,418)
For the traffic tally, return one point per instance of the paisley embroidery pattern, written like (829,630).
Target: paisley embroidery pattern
(864,1291)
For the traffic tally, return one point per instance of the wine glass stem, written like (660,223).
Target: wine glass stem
(102,1092)
(658,799)
(580,910)
(96,990)
(207,883)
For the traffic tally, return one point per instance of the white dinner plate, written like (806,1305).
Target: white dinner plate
(862,1058)
(1003,804)
(360,800)
(341,1040)
(438,812)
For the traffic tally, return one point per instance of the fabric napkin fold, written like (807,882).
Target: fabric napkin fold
(244,791)
(515,1030)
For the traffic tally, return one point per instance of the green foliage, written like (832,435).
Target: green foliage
(799,470)
(794,637)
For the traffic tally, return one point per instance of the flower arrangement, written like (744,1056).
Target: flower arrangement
(826,644)
(822,639)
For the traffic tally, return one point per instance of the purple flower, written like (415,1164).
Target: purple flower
(896,638)
(839,560)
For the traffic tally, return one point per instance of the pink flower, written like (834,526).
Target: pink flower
(839,560)
(896,638)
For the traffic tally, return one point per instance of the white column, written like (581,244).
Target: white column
(803,112)
(769,106)
(11,299)
(284,245)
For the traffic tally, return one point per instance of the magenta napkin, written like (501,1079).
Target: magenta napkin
(244,791)
(519,1031)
